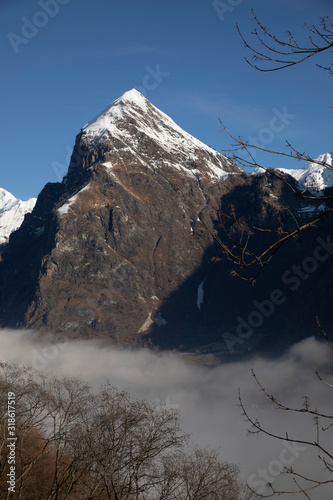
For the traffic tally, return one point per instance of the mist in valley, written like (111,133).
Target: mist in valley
(207,398)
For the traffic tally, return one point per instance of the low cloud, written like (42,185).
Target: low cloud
(207,398)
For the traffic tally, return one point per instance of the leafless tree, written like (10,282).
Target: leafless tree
(237,235)
(320,441)
(278,54)
(199,474)
(72,443)
(46,413)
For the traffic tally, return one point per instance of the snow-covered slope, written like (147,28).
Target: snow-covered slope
(12,212)
(312,176)
(134,124)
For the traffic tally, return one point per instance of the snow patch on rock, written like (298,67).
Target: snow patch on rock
(65,207)
(200,295)
(146,325)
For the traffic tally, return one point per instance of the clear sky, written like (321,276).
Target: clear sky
(64,61)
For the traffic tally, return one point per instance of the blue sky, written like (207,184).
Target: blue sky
(84,54)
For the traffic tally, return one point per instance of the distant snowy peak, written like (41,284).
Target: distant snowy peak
(314,176)
(133,123)
(12,212)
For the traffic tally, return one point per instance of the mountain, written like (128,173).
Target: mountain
(103,249)
(315,176)
(12,212)
(125,247)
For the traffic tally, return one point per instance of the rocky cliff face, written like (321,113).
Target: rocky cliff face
(105,248)
(122,248)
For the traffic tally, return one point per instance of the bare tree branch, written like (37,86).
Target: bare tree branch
(283,54)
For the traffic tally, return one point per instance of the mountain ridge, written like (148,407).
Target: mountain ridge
(315,176)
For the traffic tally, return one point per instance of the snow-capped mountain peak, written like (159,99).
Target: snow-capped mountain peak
(106,120)
(314,176)
(12,212)
(135,97)
(132,125)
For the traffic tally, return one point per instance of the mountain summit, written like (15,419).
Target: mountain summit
(139,132)
(136,126)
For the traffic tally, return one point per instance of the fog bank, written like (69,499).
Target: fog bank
(207,398)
